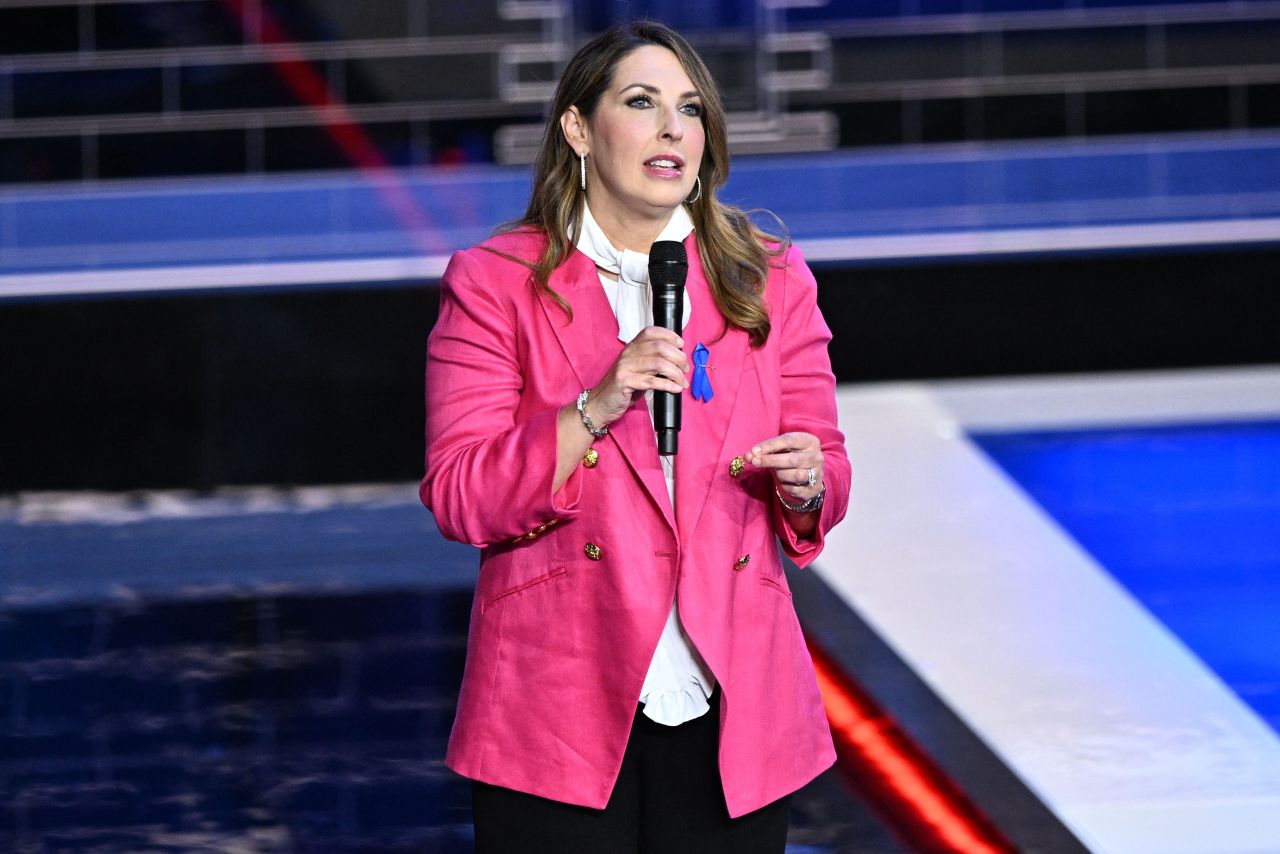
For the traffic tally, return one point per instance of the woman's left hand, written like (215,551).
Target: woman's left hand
(791,457)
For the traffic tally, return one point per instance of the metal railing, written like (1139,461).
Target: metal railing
(796,75)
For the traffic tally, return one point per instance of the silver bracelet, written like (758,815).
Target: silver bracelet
(586,419)
(809,506)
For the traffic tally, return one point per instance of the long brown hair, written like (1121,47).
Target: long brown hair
(734,252)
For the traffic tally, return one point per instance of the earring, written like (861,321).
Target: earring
(582,171)
(697,190)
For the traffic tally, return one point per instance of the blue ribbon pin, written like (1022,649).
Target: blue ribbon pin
(701,384)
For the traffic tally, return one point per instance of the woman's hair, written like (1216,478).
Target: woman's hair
(734,252)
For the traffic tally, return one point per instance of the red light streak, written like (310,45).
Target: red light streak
(922,804)
(347,134)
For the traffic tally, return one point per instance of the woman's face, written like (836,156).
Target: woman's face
(645,140)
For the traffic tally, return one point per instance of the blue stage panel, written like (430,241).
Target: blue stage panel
(860,205)
(263,669)
(1187,518)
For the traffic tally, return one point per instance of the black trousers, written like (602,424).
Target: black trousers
(668,799)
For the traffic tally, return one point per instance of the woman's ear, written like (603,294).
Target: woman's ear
(575,130)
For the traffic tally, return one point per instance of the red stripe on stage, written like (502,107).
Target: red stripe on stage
(915,797)
(309,87)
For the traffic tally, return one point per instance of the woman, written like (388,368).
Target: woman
(636,679)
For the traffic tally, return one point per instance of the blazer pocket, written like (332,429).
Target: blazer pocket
(523,587)
(775,584)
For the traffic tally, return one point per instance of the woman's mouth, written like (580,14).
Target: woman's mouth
(664,167)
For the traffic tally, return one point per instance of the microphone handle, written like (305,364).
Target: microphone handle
(668,311)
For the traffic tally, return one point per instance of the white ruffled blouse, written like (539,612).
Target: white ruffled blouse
(678,684)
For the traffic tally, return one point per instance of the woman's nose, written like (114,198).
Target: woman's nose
(672,127)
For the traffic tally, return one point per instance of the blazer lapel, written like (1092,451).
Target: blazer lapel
(590,343)
(705,425)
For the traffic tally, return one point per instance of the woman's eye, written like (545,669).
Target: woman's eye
(692,109)
(639,101)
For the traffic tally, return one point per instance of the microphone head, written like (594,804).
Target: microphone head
(668,262)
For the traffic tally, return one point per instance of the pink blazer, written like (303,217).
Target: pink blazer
(575,586)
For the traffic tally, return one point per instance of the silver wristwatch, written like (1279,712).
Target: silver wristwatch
(809,506)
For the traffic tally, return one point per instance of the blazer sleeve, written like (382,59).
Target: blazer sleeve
(489,469)
(809,403)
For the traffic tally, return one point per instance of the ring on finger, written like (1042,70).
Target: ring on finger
(813,478)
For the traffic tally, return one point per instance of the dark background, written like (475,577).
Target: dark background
(326,386)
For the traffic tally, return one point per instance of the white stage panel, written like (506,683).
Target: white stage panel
(1099,709)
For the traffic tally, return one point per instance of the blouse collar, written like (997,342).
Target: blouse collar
(633,305)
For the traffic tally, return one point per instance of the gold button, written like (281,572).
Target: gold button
(592,550)
(540,529)
(735,467)
(551,522)
(590,458)
(532,535)
(742,561)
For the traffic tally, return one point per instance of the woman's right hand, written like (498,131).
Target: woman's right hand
(653,360)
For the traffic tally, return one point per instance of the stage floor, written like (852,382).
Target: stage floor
(266,670)
(1083,568)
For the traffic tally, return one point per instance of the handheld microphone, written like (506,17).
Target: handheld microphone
(668,267)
